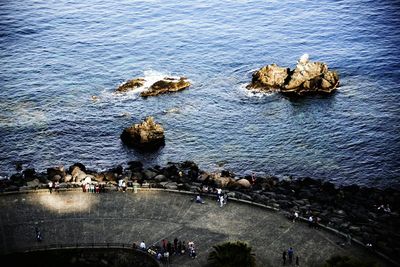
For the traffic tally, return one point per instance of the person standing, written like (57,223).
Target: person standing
(297,261)
(142,245)
(176,245)
(284,257)
(57,186)
(50,186)
(221,200)
(38,235)
(290,255)
(296,216)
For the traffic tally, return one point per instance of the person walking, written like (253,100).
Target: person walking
(297,261)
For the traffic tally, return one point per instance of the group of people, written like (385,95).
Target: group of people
(54,186)
(93,188)
(288,256)
(166,249)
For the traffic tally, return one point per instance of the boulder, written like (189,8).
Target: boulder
(160,178)
(244,183)
(77,174)
(60,170)
(130,85)
(269,78)
(166,85)
(145,136)
(307,77)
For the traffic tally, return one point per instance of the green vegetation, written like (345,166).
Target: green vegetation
(232,254)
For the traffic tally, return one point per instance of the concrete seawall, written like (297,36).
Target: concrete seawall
(72,216)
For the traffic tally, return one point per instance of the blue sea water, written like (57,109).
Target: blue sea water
(55,55)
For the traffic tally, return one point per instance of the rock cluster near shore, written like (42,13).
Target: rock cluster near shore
(147,135)
(166,85)
(308,77)
(350,209)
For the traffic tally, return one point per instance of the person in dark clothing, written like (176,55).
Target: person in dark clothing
(38,235)
(176,245)
(284,257)
(297,261)
(290,254)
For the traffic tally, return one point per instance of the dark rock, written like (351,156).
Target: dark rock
(145,136)
(17,179)
(29,174)
(51,172)
(130,85)
(167,85)
(135,166)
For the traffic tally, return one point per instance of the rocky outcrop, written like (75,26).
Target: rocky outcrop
(145,136)
(130,85)
(166,86)
(308,77)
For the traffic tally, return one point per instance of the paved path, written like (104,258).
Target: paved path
(77,217)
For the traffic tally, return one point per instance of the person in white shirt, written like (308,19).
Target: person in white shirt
(142,245)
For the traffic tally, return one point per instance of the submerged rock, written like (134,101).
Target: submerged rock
(166,85)
(145,136)
(307,77)
(130,85)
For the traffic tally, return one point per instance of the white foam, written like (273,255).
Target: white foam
(253,93)
(150,77)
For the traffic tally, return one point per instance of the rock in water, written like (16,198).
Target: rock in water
(166,85)
(145,136)
(130,85)
(307,77)
(269,78)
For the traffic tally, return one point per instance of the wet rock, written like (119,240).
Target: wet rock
(145,136)
(166,85)
(307,77)
(130,85)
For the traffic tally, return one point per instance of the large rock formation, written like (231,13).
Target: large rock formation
(163,86)
(166,86)
(307,77)
(145,136)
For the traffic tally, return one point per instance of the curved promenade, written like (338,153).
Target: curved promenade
(71,217)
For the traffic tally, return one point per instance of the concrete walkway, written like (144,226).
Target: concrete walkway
(75,217)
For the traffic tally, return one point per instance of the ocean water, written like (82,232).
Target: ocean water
(56,55)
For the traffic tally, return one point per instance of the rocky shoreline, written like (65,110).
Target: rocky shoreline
(370,215)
